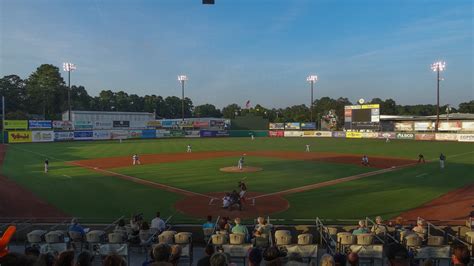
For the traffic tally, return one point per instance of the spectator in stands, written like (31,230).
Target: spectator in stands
(120,228)
(240,229)
(461,255)
(272,256)
(13,258)
(362,229)
(208,223)
(353,259)
(224,225)
(428,262)
(261,227)
(340,259)
(157,224)
(379,228)
(326,260)
(65,258)
(175,254)
(135,223)
(205,261)
(255,257)
(420,229)
(76,227)
(220,259)
(397,255)
(84,259)
(161,254)
(114,260)
(47,259)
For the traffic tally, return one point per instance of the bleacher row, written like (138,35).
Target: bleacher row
(309,242)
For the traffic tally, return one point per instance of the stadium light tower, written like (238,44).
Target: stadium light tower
(312,79)
(182,79)
(438,67)
(68,67)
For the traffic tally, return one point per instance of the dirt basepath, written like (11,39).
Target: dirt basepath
(17,201)
(454,205)
(116,162)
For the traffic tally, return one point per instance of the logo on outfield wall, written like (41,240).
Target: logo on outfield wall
(405,136)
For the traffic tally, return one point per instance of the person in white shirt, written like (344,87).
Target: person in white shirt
(307,147)
(189,148)
(157,223)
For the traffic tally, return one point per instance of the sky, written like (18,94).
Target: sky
(239,50)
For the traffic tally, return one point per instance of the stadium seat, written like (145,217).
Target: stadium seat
(207,233)
(167,237)
(54,237)
(413,240)
(305,239)
(36,236)
(219,239)
(116,238)
(470,237)
(95,236)
(435,241)
(332,230)
(365,239)
(282,237)
(345,238)
(76,239)
(236,239)
(183,238)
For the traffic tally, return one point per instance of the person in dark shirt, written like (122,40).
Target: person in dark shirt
(204,261)
(421,158)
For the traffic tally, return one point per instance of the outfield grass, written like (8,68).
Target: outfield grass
(84,193)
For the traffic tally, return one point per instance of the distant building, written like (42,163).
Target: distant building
(453,122)
(108,120)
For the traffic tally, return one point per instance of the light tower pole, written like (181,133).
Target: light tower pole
(182,79)
(68,67)
(312,79)
(438,67)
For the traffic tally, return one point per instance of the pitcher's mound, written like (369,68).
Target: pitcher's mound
(246,169)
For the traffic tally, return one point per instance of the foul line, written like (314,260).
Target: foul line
(126,177)
(334,182)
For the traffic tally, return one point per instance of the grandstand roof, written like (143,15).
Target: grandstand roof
(454,116)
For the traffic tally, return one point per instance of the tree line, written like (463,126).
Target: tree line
(44,95)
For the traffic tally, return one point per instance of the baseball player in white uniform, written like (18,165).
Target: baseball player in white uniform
(240,164)
(307,147)
(189,148)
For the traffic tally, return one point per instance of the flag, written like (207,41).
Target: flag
(247,104)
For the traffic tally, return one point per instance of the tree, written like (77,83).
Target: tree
(230,111)
(387,107)
(80,99)
(46,92)
(12,87)
(467,107)
(173,106)
(207,110)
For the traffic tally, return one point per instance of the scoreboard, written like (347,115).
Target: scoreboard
(364,116)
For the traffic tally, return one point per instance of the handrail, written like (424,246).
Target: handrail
(214,229)
(270,238)
(440,230)
(367,219)
(113,223)
(323,234)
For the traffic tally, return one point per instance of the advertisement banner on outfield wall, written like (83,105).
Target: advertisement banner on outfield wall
(213,133)
(177,133)
(425,136)
(309,134)
(323,134)
(118,134)
(121,123)
(467,126)
(201,124)
(63,135)
(19,136)
(465,137)
(154,123)
(135,134)
(405,136)
(387,135)
(148,134)
(192,134)
(42,136)
(370,135)
(293,133)
(83,125)
(338,134)
(292,125)
(424,126)
(169,123)
(404,126)
(39,124)
(217,123)
(446,137)
(450,126)
(161,133)
(276,126)
(16,124)
(83,135)
(102,125)
(308,125)
(353,135)
(101,134)
(64,125)
(276,134)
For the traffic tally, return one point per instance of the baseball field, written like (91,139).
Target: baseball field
(96,181)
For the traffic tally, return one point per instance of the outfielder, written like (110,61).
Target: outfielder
(46,165)
(189,148)
(442,160)
(252,136)
(307,147)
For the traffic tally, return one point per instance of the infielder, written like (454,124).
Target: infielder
(189,148)
(136,159)
(46,165)
(365,160)
(240,164)
(252,136)
(307,147)
(442,160)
